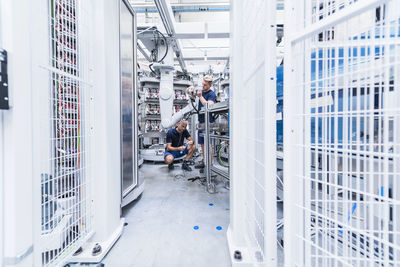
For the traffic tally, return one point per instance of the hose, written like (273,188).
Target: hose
(220,151)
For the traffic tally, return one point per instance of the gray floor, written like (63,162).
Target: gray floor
(160,230)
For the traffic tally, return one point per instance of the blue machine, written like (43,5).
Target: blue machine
(323,65)
(356,57)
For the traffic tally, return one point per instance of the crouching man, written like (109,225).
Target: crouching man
(175,146)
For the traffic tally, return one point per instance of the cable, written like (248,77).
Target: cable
(166,45)
(163,36)
(191,102)
(152,70)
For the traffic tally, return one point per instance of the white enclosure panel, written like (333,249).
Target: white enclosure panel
(1,162)
(253,184)
(342,133)
(16,144)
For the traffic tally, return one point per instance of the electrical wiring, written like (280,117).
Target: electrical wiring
(166,45)
(192,103)
(152,70)
(160,34)
(154,51)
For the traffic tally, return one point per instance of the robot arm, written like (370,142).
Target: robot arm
(171,121)
(166,103)
(166,94)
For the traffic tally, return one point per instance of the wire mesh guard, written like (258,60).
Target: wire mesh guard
(65,218)
(350,196)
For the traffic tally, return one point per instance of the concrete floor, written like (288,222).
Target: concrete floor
(160,230)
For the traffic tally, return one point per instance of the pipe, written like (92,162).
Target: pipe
(186,10)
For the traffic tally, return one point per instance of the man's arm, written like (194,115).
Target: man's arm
(191,141)
(170,148)
(204,101)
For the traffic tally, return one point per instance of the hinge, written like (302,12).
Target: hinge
(4,101)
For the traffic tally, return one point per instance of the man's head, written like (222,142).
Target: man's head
(207,83)
(181,126)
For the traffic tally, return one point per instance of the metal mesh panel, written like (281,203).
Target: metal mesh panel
(345,69)
(65,194)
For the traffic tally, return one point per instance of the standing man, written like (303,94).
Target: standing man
(206,95)
(175,146)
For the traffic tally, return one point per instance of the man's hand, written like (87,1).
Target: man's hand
(190,143)
(189,90)
(182,148)
(198,93)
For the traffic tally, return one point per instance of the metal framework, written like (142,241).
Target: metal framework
(342,133)
(65,184)
(167,18)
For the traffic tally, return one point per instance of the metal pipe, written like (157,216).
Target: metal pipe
(186,10)
(207,160)
(165,16)
(186,4)
(193,7)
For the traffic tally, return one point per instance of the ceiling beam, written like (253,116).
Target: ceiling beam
(201,30)
(183,7)
(205,58)
(148,7)
(201,35)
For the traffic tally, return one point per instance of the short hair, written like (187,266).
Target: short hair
(183,121)
(208,78)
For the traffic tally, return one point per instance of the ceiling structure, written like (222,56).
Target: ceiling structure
(201,30)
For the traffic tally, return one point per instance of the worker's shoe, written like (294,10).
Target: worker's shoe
(185,166)
(200,165)
(171,166)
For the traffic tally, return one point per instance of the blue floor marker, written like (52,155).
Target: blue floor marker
(219,228)
(196,227)
(211,204)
